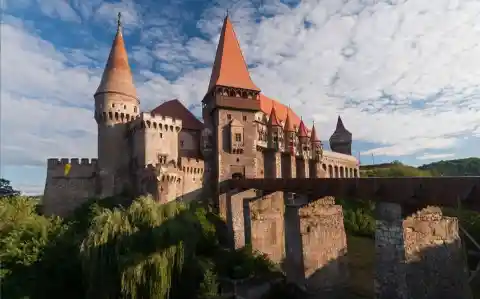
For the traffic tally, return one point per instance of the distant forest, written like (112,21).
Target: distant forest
(459,167)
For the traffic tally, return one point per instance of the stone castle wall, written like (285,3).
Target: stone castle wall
(63,193)
(193,171)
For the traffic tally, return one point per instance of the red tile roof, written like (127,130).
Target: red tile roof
(174,108)
(273,120)
(266,104)
(117,76)
(229,68)
(313,134)
(302,130)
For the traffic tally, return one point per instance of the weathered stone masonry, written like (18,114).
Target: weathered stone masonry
(418,256)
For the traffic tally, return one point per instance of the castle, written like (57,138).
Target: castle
(168,153)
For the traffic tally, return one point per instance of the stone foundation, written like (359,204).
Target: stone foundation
(266,228)
(316,258)
(435,265)
(389,280)
(419,257)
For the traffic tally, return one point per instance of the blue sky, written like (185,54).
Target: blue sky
(402,74)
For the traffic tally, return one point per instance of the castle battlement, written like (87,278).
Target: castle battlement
(156,121)
(191,165)
(56,162)
(80,168)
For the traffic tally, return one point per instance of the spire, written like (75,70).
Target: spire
(302,130)
(313,134)
(273,120)
(288,123)
(117,76)
(340,127)
(229,68)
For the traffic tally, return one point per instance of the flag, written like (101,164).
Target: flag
(67,168)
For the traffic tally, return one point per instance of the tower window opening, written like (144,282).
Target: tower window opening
(135,109)
(238,137)
(244,118)
(124,106)
(161,135)
(229,116)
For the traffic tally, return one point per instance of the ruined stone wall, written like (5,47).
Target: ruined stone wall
(324,245)
(266,231)
(63,193)
(419,256)
(434,257)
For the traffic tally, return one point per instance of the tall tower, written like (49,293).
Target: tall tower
(229,108)
(116,104)
(341,140)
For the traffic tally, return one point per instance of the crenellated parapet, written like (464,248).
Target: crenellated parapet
(69,183)
(147,120)
(79,167)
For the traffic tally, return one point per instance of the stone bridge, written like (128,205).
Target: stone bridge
(296,222)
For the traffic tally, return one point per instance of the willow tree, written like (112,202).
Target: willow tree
(146,251)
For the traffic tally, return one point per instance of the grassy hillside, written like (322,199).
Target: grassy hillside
(460,167)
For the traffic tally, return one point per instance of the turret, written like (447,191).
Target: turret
(341,140)
(116,104)
(290,134)
(316,145)
(303,142)
(275,132)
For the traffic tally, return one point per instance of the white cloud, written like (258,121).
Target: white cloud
(403,76)
(435,156)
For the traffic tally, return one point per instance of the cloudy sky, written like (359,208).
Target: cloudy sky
(403,74)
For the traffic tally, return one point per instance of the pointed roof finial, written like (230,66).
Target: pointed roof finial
(119,21)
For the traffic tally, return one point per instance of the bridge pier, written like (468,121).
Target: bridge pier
(418,256)
(316,246)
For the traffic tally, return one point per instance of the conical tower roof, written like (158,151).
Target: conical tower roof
(302,130)
(340,129)
(229,68)
(117,76)
(273,120)
(313,135)
(341,133)
(288,123)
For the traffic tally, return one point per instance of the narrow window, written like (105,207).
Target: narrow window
(244,118)
(229,116)
(238,137)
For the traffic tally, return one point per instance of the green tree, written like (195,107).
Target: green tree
(6,189)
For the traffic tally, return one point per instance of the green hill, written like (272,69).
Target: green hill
(460,167)
(394,169)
